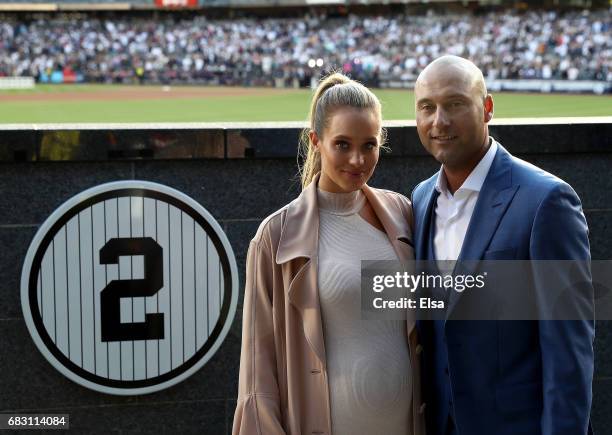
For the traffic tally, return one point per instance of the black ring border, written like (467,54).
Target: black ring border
(50,234)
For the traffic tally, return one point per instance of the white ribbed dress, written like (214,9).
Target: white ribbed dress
(368,365)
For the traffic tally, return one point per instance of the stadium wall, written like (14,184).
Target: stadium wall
(240,173)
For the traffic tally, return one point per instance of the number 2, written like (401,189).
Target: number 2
(110,297)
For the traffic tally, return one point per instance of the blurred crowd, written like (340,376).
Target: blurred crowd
(289,51)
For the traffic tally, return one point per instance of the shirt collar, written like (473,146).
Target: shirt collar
(476,178)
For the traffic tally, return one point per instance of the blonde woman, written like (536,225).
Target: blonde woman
(309,363)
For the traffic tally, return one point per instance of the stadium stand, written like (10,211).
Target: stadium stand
(376,49)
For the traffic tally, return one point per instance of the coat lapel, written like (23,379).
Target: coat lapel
(395,224)
(299,243)
(303,294)
(300,229)
(495,196)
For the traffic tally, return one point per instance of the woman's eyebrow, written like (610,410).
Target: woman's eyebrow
(347,138)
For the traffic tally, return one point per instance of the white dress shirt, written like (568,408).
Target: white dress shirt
(453,212)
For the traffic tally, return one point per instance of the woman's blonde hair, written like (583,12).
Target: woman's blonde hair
(334,91)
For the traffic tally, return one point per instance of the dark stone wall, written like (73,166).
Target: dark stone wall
(239,192)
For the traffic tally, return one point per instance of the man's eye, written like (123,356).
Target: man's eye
(427,107)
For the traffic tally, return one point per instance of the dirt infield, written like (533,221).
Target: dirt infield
(127,93)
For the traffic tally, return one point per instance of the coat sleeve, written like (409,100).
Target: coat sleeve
(560,232)
(258,407)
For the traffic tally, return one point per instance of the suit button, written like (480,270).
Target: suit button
(315,371)
(446,371)
(418,349)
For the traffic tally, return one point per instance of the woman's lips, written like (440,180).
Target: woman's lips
(353,174)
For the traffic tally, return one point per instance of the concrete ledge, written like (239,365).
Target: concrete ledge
(177,141)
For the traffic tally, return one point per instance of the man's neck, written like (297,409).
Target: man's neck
(456,176)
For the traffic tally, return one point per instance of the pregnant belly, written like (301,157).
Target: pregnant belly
(370,385)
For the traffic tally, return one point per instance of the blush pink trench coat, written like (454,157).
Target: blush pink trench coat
(283,385)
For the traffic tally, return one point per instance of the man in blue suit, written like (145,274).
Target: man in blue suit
(495,377)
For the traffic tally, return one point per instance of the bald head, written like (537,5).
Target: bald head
(457,68)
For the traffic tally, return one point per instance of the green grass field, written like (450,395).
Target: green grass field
(103,104)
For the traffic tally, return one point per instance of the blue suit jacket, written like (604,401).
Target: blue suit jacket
(510,377)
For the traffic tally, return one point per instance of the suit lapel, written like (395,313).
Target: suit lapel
(423,222)
(493,201)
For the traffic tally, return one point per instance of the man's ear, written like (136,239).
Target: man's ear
(314,140)
(488,108)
